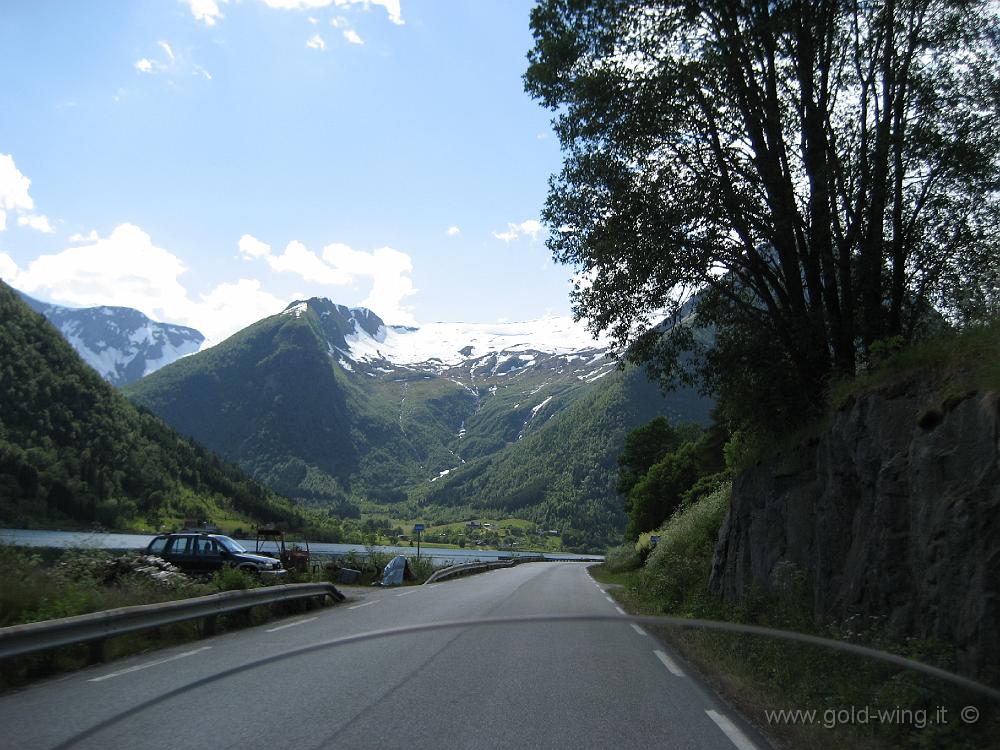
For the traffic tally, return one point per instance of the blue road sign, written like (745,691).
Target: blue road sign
(418,527)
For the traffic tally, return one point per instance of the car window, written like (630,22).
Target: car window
(206,547)
(158,545)
(179,545)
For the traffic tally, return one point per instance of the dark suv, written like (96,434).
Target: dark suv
(201,553)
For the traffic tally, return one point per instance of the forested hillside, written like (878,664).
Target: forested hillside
(562,475)
(74,451)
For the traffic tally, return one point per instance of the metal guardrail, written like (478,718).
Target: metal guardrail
(98,626)
(477,567)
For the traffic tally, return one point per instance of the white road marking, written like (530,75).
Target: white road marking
(620,610)
(359,606)
(731,730)
(638,630)
(137,667)
(407,593)
(433,585)
(610,599)
(290,625)
(669,663)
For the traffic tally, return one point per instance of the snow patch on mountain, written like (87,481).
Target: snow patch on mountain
(450,344)
(121,343)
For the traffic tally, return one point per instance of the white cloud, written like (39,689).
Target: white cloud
(341,265)
(13,186)
(316,42)
(232,306)
(297,4)
(128,269)
(167,49)
(251,247)
(198,70)
(3,220)
(91,236)
(8,268)
(529,227)
(205,10)
(391,7)
(338,22)
(352,36)
(313,20)
(145,65)
(37,222)
(453,230)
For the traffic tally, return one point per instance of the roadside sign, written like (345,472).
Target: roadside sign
(418,527)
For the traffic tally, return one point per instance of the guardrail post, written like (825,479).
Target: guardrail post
(96,649)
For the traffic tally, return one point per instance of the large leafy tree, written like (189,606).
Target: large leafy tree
(823,174)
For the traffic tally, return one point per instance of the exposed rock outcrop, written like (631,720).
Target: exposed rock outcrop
(893,511)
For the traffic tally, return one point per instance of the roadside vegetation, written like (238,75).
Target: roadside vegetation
(44,584)
(761,675)
(671,576)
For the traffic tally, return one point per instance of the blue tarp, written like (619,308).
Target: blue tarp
(394,571)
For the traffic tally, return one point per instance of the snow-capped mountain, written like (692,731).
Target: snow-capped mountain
(327,404)
(470,352)
(122,344)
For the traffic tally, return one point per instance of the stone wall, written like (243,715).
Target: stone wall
(893,511)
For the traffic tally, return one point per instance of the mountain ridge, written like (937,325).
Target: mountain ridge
(309,402)
(121,343)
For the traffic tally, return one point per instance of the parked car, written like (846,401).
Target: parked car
(202,553)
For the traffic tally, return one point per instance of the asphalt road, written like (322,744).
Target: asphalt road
(537,685)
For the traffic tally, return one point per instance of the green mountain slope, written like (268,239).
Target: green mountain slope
(562,474)
(532,433)
(74,451)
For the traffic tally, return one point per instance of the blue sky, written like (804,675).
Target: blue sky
(208,161)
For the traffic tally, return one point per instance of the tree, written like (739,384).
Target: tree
(822,174)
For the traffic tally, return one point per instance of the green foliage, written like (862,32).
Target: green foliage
(229,578)
(622,558)
(644,446)
(676,572)
(949,363)
(681,466)
(72,450)
(821,177)
(562,474)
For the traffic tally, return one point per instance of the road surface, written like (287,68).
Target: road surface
(537,685)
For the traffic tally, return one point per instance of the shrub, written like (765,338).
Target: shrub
(623,558)
(677,570)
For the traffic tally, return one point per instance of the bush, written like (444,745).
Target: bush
(676,573)
(622,559)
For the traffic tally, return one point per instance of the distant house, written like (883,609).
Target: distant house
(473,525)
(487,526)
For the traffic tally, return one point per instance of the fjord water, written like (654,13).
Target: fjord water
(104,540)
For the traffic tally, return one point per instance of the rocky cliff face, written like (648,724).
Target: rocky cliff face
(893,511)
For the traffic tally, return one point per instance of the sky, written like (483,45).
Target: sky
(209,161)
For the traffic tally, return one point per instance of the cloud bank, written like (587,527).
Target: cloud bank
(386,268)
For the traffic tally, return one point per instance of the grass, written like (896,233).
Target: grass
(953,364)
(759,675)
(48,584)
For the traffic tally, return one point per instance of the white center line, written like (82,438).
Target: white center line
(669,663)
(407,593)
(359,606)
(620,610)
(731,730)
(290,625)
(638,630)
(149,664)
